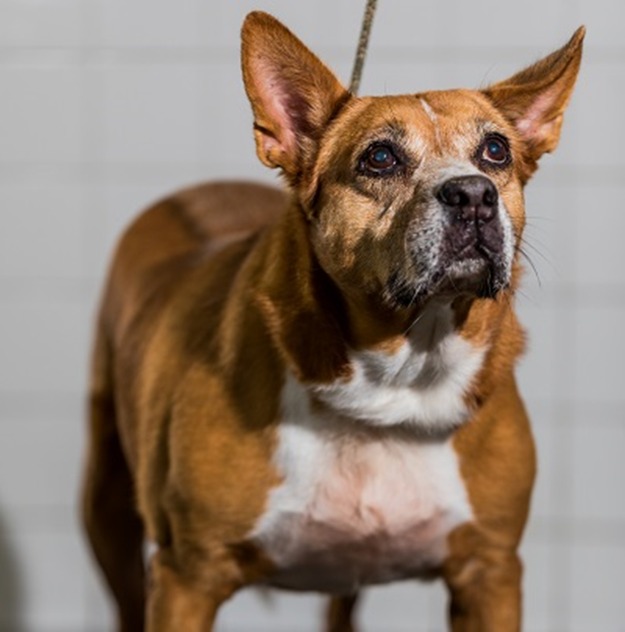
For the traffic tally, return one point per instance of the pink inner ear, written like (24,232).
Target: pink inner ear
(539,120)
(274,97)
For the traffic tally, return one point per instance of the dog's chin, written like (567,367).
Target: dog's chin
(481,278)
(478,278)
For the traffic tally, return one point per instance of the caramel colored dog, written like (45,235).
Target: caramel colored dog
(315,390)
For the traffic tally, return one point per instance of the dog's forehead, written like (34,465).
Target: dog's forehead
(437,119)
(454,105)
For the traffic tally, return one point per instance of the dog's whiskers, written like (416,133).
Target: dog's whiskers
(537,250)
(385,210)
(531,263)
(413,323)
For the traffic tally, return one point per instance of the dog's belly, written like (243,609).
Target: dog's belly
(357,510)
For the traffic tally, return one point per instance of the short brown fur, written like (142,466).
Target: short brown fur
(218,291)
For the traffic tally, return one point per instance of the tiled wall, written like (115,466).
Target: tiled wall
(107,104)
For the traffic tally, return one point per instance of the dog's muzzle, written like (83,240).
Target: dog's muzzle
(462,250)
(473,247)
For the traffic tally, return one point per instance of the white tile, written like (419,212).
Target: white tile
(599,472)
(594,120)
(597,580)
(42,232)
(46,580)
(546,499)
(45,346)
(400,607)
(34,23)
(599,243)
(225,130)
(536,370)
(41,459)
(323,25)
(150,113)
(548,242)
(485,24)
(438,606)
(147,23)
(537,585)
(11,580)
(98,605)
(384,77)
(40,113)
(599,352)
(602,19)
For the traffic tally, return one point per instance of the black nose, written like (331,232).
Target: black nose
(470,198)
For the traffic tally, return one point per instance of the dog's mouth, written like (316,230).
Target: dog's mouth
(460,245)
(478,268)
(473,276)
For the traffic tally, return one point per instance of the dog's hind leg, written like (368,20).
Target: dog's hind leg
(113,526)
(340,613)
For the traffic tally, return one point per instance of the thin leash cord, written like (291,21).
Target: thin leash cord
(363,42)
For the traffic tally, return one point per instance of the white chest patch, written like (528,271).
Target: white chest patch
(365,498)
(422,385)
(356,507)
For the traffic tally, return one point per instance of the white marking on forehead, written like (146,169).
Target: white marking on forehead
(427,108)
(431,114)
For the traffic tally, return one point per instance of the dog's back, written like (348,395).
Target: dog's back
(167,243)
(175,235)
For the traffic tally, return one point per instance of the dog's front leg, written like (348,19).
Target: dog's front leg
(179,602)
(486,593)
(340,613)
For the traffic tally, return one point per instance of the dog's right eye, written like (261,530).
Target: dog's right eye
(379,160)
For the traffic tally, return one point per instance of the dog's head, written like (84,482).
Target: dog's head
(407,197)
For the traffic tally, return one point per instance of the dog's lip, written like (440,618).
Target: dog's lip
(474,269)
(477,249)
(470,275)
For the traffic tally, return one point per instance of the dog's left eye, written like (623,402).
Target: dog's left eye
(495,150)
(379,159)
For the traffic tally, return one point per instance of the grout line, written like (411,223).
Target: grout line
(553,296)
(561,492)
(416,55)
(590,532)
(96,169)
(26,291)
(27,404)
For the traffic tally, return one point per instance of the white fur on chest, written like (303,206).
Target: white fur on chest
(356,507)
(423,384)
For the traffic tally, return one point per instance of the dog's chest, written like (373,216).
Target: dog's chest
(356,508)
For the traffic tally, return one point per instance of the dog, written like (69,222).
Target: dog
(314,390)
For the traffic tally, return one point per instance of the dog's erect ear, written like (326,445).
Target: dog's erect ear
(534,99)
(293,94)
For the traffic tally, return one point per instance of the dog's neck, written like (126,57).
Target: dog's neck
(316,326)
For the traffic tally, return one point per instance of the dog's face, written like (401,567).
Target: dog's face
(408,197)
(417,196)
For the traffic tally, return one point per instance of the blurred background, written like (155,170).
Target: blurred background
(106,105)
